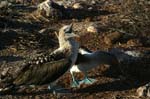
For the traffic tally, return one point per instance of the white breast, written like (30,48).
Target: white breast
(88,65)
(83,51)
(74,68)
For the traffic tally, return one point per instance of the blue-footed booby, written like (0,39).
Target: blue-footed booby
(47,68)
(88,60)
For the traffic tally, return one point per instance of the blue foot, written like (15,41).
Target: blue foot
(75,84)
(88,81)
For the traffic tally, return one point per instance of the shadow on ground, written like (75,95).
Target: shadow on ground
(117,85)
(10,58)
(84,13)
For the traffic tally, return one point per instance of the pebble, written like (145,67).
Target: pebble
(1,89)
(77,6)
(13,50)
(111,38)
(37,62)
(92,29)
(93,2)
(41,61)
(4,4)
(45,59)
(90,8)
(133,53)
(144,91)
(134,42)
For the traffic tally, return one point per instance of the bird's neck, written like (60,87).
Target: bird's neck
(66,42)
(70,46)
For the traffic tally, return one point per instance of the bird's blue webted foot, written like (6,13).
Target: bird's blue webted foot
(87,80)
(75,83)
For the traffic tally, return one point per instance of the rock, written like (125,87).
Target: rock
(19,1)
(134,53)
(45,31)
(77,6)
(45,6)
(93,2)
(4,4)
(90,8)
(134,42)
(50,9)
(112,38)
(92,29)
(144,91)
(13,50)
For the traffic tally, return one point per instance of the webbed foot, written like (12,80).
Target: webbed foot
(88,81)
(75,84)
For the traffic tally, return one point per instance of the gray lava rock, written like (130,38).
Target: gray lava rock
(4,4)
(144,91)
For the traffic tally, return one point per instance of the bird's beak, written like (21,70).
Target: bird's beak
(73,35)
(70,27)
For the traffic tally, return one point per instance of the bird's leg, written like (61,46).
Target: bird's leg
(88,80)
(75,83)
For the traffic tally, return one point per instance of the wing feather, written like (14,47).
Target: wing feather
(52,66)
(46,72)
(81,59)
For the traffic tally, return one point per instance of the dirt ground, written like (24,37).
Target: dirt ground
(121,24)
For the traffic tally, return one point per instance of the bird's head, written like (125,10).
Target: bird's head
(67,32)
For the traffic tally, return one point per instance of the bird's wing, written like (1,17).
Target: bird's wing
(49,70)
(85,49)
(81,58)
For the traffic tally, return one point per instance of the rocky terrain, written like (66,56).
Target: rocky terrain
(102,25)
